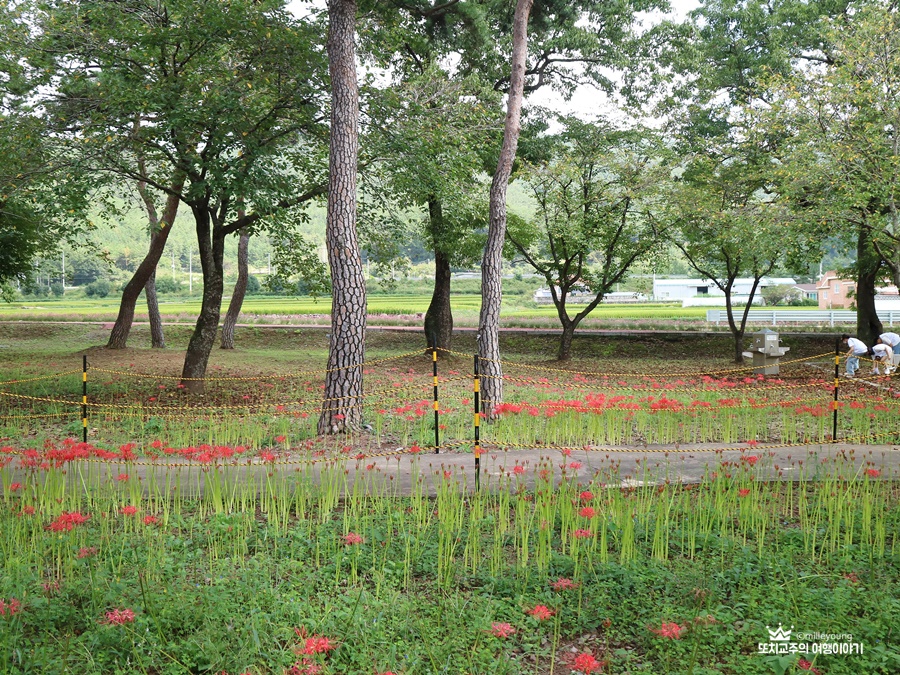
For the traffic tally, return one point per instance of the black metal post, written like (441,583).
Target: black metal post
(837,384)
(476,386)
(84,428)
(437,433)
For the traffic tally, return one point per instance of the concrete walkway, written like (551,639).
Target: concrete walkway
(633,466)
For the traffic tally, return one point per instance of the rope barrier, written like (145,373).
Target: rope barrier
(41,377)
(529,366)
(302,373)
(613,387)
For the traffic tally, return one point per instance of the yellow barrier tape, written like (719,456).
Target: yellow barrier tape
(676,448)
(695,373)
(661,390)
(302,373)
(42,377)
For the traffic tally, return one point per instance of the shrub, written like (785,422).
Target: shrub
(57,289)
(98,289)
(252,285)
(167,285)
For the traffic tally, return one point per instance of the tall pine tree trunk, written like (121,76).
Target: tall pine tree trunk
(491,266)
(439,317)
(212,253)
(240,289)
(341,409)
(118,338)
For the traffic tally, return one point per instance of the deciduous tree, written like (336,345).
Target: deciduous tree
(592,222)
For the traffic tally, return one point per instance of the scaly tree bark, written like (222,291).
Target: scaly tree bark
(491,266)
(439,317)
(144,277)
(240,290)
(341,409)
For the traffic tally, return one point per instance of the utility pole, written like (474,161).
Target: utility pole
(173,264)
(270,262)
(63,280)
(190,271)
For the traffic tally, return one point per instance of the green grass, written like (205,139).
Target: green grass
(259,307)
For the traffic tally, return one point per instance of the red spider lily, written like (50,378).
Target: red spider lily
(128,510)
(151,520)
(267,456)
(279,439)
(415,449)
(803,664)
(586,496)
(352,539)
(27,511)
(315,644)
(540,612)
(15,487)
(669,630)
(10,608)
(563,584)
(66,521)
(575,465)
(305,667)
(502,630)
(583,534)
(87,552)
(743,492)
(122,477)
(751,459)
(118,617)
(587,512)
(873,473)
(586,663)
(518,470)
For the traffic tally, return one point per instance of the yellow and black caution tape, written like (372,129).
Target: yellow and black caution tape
(41,377)
(286,376)
(694,373)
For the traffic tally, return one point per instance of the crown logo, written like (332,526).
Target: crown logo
(779,634)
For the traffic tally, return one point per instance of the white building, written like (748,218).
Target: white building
(703,292)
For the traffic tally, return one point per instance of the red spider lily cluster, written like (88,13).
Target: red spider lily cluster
(563,584)
(669,630)
(67,521)
(312,645)
(540,612)
(803,664)
(118,617)
(502,630)
(352,539)
(9,608)
(586,664)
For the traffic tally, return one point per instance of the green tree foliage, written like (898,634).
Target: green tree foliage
(727,226)
(228,94)
(595,195)
(840,163)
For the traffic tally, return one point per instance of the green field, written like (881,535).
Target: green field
(256,308)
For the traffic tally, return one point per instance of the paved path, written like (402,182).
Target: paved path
(634,466)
